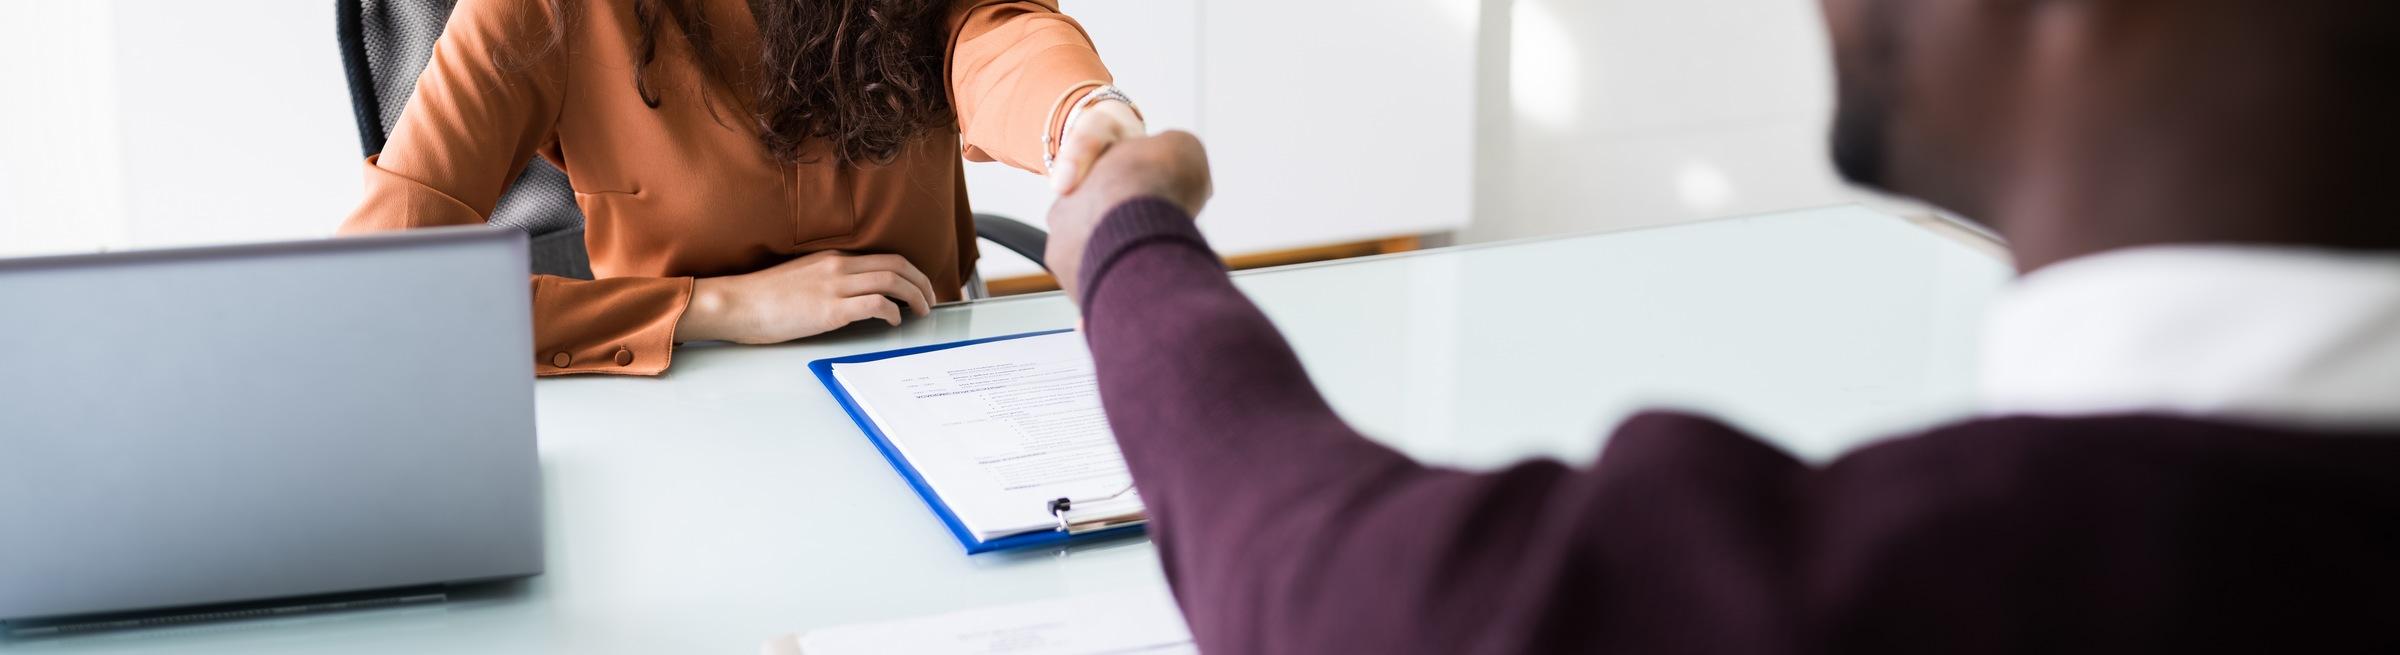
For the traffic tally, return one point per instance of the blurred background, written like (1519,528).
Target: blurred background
(1337,127)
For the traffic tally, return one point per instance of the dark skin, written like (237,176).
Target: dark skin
(2072,127)
(2079,126)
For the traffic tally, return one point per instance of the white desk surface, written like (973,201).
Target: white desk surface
(731,500)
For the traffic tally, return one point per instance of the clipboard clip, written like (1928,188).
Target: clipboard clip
(1060,506)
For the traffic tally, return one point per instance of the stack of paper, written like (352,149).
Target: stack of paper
(1000,429)
(1142,621)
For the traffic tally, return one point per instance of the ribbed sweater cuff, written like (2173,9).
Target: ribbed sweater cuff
(1136,223)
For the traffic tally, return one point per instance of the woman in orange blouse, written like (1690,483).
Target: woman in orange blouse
(750,171)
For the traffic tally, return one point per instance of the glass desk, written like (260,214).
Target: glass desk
(731,501)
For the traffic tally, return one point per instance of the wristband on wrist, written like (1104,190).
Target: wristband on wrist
(1106,92)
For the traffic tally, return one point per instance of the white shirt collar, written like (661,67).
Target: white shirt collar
(2284,336)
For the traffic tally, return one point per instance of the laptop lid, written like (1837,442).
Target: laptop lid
(211,425)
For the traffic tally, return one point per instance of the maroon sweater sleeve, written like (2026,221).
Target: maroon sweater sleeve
(1284,530)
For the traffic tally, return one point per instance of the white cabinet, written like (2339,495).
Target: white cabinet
(1327,121)
(1337,120)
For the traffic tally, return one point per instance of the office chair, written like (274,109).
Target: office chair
(386,44)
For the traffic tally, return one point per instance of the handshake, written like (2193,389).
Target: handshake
(1171,166)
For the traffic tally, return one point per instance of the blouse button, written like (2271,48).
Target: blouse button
(561,359)
(624,356)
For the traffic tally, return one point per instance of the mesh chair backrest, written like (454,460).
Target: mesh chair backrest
(399,36)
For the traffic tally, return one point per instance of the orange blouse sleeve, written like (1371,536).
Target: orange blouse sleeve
(1012,64)
(486,104)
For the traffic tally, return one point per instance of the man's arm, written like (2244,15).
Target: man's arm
(1282,529)
(1265,504)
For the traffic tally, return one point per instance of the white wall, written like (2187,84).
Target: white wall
(146,122)
(154,122)
(61,180)
(211,122)
(234,134)
(1603,114)
(1338,120)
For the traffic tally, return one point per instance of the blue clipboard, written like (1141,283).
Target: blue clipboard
(824,370)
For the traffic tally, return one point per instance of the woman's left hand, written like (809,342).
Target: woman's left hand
(1098,127)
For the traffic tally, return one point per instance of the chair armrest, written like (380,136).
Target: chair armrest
(1014,235)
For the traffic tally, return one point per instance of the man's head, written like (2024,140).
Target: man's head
(2081,125)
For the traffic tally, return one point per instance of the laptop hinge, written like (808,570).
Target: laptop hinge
(264,609)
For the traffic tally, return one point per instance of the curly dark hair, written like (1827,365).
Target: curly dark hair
(862,75)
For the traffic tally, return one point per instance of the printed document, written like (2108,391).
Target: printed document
(1138,621)
(1000,429)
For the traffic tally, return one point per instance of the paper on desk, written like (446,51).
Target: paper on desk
(1000,429)
(1143,621)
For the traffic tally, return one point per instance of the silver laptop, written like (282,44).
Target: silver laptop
(196,427)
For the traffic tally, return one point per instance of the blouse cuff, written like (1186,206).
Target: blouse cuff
(617,326)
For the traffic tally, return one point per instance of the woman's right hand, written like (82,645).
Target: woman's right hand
(803,297)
